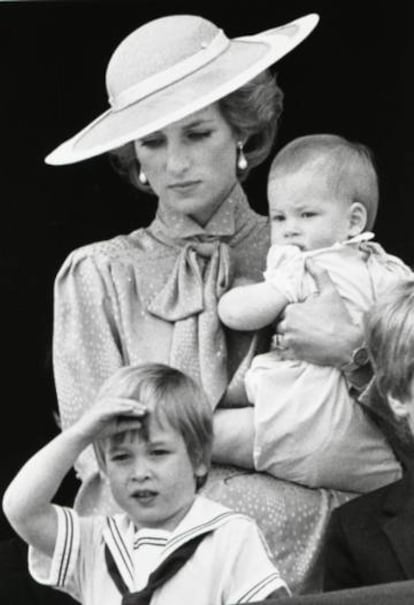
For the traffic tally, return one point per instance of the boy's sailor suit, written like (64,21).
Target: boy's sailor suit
(231,564)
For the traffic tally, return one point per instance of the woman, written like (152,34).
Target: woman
(191,113)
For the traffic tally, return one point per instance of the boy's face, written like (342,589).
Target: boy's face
(304,212)
(152,480)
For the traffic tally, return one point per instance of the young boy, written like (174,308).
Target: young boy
(152,430)
(305,427)
(369,540)
(389,334)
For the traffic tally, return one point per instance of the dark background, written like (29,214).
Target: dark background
(352,76)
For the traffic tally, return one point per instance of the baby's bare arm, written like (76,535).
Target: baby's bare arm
(251,307)
(27,502)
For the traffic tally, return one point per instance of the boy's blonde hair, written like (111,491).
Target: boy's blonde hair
(390,341)
(349,168)
(169,395)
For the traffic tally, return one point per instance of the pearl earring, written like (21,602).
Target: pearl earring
(241,158)
(142,177)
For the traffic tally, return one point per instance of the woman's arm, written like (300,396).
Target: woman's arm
(234,437)
(27,502)
(251,307)
(86,342)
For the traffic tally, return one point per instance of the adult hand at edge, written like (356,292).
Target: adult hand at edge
(319,330)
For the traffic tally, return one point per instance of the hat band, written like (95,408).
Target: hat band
(208,52)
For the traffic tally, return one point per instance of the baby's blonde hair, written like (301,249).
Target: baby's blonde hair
(349,168)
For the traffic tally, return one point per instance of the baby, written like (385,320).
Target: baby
(323,198)
(152,431)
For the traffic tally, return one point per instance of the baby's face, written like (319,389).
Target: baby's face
(304,212)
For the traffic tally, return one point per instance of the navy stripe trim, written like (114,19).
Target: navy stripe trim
(121,547)
(202,528)
(67,547)
(148,540)
(250,594)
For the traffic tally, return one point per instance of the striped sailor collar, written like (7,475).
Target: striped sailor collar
(119,533)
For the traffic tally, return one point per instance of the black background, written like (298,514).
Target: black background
(352,76)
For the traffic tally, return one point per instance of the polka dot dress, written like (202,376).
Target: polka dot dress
(151,296)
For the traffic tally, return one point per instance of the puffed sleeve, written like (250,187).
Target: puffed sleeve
(77,564)
(60,570)
(384,268)
(285,271)
(86,342)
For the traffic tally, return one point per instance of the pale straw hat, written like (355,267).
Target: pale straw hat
(170,68)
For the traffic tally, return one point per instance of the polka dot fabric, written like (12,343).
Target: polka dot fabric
(151,296)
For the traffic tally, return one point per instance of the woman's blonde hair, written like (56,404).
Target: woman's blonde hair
(169,395)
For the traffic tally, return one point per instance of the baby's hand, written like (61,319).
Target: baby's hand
(108,416)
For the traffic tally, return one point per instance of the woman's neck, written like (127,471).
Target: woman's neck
(203,216)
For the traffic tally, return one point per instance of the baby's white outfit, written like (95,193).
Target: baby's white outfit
(308,429)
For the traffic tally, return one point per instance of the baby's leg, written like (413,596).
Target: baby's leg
(234,436)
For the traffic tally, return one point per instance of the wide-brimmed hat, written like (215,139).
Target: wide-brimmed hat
(170,68)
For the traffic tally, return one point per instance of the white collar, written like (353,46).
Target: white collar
(353,241)
(203,516)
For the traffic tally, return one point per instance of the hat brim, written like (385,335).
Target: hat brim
(243,59)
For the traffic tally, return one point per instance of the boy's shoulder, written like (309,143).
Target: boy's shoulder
(364,510)
(207,516)
(211,514)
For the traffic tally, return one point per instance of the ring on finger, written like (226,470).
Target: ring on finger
(277,341)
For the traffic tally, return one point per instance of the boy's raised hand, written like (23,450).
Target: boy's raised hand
(108,416)
(27,501)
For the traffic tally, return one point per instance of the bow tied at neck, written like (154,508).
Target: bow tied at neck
(201,274)
(205,247)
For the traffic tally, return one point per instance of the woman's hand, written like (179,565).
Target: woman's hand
(320,330)
(109,416)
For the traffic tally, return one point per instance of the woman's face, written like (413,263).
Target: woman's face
(191,164)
